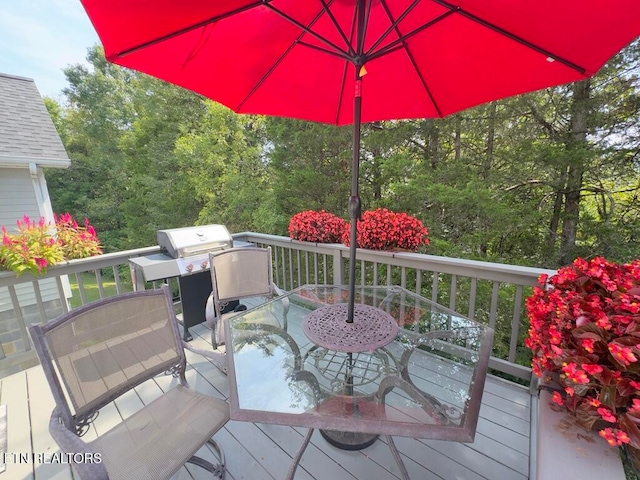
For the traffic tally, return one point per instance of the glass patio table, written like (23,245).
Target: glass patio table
(406,366)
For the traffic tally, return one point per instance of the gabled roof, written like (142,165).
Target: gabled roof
(27,133)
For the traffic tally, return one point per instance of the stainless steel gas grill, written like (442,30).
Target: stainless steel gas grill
(185,256)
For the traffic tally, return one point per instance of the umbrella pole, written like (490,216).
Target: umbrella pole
(354,200)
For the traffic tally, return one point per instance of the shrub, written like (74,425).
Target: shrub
(319,227)
(382,229)
(585,337)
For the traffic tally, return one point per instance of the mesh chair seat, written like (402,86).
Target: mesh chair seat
(157,440)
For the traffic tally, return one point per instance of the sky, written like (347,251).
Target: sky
(39,38)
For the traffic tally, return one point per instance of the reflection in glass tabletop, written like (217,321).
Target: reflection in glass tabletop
(424,379)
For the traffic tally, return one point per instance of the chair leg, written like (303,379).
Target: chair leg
(396,456)
(214,343)
(219,470)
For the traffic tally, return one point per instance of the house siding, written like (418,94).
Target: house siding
(18,198)
(29,142)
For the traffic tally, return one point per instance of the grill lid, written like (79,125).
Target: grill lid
(189,241)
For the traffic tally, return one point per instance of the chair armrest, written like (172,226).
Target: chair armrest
(217,358)
(70,443)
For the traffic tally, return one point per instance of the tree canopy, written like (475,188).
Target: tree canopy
(537,179)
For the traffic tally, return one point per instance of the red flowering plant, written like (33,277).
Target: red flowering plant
(382,229)
(37,245)
(76,241)
(31,249)
(314,226)
(585,337)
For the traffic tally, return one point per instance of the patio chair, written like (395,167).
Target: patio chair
(94,354)
(239,273)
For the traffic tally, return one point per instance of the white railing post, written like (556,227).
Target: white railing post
(338,268)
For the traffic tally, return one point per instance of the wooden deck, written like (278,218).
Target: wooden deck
(261,451)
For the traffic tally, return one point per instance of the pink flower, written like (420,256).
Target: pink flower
(623,355)
(41,263)
(635,407)
(594,402)
(606,414)
(591,369)
(587,344)
(614,437)
(574,374)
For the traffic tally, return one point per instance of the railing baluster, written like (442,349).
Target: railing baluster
(315,268)
(434,287)
(418,291)
(375,274)
(363,273)
(515,324)
(471,312)
(306,264)
(39,302)
(83,294)
(98,273)
(453,292)
(276,265)
(299,266)
(403,277)
(284,268)
(291,285)
(17,311)
(63,298)
(325,270)
(116,277)
(338,268)
(388,274)
(494,305)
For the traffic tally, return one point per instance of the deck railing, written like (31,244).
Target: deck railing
(28,299)
(490,293)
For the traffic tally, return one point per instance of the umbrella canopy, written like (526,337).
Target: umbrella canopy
(348,61)
(424,58)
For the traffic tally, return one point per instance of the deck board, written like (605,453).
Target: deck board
(264,451)
(14,396)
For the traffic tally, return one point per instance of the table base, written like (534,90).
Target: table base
(349,440)
(388,438)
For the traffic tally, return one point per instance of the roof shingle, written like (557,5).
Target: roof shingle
(26,129)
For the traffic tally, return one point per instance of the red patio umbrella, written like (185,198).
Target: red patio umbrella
(353,61)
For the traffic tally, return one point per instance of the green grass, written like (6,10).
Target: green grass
(91,290)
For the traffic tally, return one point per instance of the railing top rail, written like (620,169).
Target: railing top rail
(79,265)
(472,268)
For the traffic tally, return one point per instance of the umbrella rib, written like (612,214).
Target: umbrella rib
(177,33)
(413,61)
(392,26)
(325,7)
(306,29)
(360,46)
(282,57)
(512,36)
(324,50)
(400,41)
